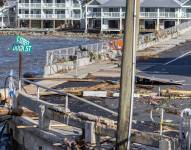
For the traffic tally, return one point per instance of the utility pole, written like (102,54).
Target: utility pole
(128,75)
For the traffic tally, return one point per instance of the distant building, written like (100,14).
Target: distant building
(109,15)
(49,13)
(100,15)
(8,14)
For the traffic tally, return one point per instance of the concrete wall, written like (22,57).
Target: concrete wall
(55,68)
(25,140)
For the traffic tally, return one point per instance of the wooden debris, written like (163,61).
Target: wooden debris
(172,92)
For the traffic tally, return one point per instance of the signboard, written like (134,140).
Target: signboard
(22,45)
(22,48)
(21,40)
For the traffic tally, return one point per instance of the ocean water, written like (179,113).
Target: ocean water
(35,61)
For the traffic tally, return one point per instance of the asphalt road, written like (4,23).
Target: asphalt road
(174,64)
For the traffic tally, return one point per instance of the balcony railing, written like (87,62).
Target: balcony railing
(168,15)
(76,16)
(23,5)
(142,14)
(35,16)
(24,16)
(186,15)
(36,5)
(148,14)
(94,14)
(60,16)
(77,5)
(60,5)
(48,5)
(111,14)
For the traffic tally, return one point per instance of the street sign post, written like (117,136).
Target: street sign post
(22,48)
(22,45)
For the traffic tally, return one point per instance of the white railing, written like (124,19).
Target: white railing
(168,15)
(151,39)
(49,16)
(35,16)
(60,5)
(76,16)
(111,14)
(148,14)
(186,15)
(35,5)
(76,5)
(48,5)
(55,56)
(24,16)
(23,5)
(60,16)
(94,14)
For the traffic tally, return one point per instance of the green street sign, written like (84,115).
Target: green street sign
(21,40)
(22,48)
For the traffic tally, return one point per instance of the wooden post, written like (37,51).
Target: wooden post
(20,65)
(128,75)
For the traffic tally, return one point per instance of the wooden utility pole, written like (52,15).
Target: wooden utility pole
(128,75)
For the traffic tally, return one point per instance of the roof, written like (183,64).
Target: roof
(115,3)
(144,3)
(159,3)
(187,3)
(97,2)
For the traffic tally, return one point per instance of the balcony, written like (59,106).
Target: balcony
(160,15)
(35,5)
(168,15)
(186,15)
(76,5)
(111,14)
(48,5)
(23,5)
(35,16)
(60,5)
(76,16)
(94,14)
(24,16)
(60,16)
(48,16)
(148,14)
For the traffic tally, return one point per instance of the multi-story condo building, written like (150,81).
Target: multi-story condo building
(8,14)
(109,15)
(49,13)
(100,15)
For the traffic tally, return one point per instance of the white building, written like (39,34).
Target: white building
(109,15)
(100,15)
(8,14)
(49,13)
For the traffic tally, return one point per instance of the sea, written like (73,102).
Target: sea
(34,61)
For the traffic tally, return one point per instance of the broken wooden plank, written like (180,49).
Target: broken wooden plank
(172,92)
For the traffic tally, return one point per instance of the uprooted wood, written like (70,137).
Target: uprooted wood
(178,93)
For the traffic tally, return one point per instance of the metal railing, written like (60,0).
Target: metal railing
(111,14)
(55,56)
(94,14)
(76,16)
(148,14)
(33,16)
(59,16)
(60,5)
(35,5)
(76,5)
(150,39)
(23,5)
(142,15)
